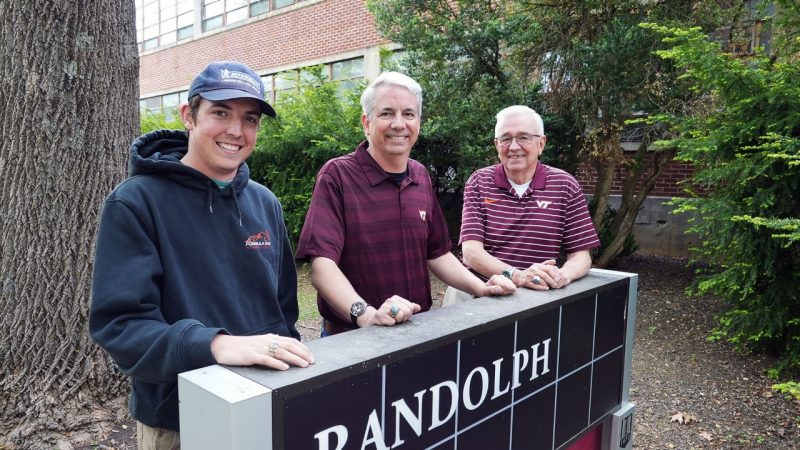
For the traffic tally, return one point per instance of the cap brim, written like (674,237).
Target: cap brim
(229,94)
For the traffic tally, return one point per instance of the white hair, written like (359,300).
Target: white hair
(519,110)
(368,98)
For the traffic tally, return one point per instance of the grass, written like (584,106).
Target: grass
(306,294)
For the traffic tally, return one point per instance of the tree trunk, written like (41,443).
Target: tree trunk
(631,199)
(68,98)
(607,153)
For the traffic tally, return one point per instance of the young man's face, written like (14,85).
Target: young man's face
(221,136)
(393,127)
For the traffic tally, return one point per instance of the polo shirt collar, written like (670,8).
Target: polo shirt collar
(538,182)
(375,173)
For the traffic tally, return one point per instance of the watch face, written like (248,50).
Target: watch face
(358,308)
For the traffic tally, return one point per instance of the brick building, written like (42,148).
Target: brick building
(277,38)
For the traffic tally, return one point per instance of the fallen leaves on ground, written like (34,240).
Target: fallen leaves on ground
(683,418)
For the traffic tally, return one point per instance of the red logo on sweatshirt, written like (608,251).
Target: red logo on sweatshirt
(258,240)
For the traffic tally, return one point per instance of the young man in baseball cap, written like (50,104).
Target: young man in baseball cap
(193,265)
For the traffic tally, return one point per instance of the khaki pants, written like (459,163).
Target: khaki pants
(453,296)
(151,438)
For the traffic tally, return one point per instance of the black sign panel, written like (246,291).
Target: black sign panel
(535,380)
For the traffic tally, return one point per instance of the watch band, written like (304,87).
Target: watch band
(509,273)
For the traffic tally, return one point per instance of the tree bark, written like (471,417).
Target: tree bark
(68,105)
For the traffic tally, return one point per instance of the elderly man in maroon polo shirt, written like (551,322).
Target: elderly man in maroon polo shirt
(520,214)
(374,226)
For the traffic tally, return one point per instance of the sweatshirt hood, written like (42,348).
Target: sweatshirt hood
(160,152)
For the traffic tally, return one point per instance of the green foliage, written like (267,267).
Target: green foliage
(791,388)
(160,121)
(744,142)
(585,66)
(314,124)
(456,54)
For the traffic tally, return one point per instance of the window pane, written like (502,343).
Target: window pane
(353,68)
(259,7)
(150,14)
(230,5)
(150,44)
(186,19)
(185,32)
(167,26)
(282,3)
(185,6)
(167,10)
(212,23)
(168,38)
(236,16)
(306,75)
(285,80)
(170,100)
(213,9)
(151,32)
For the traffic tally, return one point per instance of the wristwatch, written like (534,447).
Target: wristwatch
(356,310)
(509,273)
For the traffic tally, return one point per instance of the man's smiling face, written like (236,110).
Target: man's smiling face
(221,135)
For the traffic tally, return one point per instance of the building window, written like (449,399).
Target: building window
(163,22)
(219,13)
(168,104)
(345,73)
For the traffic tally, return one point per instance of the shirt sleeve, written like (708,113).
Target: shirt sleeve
(579,231)
(473,217)
(324,227)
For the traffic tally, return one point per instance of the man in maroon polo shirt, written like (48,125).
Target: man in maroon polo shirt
(520,214)
(374,226)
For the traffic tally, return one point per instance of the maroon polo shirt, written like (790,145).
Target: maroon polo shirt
(380,234)
(551,216)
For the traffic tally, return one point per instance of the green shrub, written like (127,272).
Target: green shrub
(744,143)
(150,121)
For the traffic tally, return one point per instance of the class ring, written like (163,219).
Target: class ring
(536,279)
(394,310)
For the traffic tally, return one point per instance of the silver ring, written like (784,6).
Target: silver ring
(394,310)
(536,279)
(273,349)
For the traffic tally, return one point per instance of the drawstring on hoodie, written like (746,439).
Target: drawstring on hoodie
(210,199)
(235,201)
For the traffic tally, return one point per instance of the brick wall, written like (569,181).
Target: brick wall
(666,184)
(302,33)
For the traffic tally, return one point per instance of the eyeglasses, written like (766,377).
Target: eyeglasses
(522,139)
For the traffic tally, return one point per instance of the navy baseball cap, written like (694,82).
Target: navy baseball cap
(225,80)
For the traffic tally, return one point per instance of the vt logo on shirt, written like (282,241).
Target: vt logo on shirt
(423,215)
(543,204)
(258,240)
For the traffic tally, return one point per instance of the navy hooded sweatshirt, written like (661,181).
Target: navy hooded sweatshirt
(179,260)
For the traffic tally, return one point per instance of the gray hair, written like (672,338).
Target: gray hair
(368,98)
(521,110)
